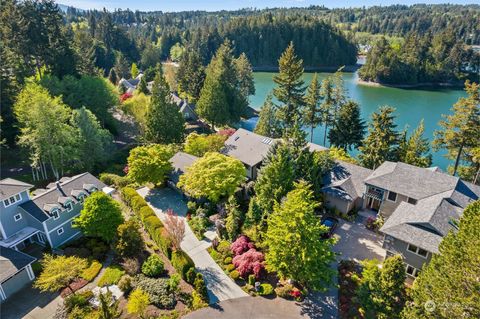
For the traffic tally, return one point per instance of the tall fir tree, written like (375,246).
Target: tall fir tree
(142,86)
(349,128)
(312,116)
(112,76)
(327,106)
(268,123)
(134,70)
(245,75)
(381,143)
(415,149)
(290,87)
(121,66)
(191,75)
(164,123)
(447,287)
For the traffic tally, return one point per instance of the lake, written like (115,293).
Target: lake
(412,105)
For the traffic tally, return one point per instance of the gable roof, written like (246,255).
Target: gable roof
(346,180)
(10,186)
(40,205)
(248,147)
(412,181)
(180,161)
(11,261)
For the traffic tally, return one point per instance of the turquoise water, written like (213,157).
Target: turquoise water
(412,105)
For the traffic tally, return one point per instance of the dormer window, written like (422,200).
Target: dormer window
(69,206)
(12,200)
(81,198)
(56,214)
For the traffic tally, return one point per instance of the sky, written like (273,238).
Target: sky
(214,5)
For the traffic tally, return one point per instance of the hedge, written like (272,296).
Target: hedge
(145,212)
(151,224)
(160,236)
(182,262)
(91,271)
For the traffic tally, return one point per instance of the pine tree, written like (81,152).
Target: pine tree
(268,123)
(234,220)
(142,86)
(349,128)
(328,105)
(164,123)
(121,66)
(112,76)
(461,130)
(245,75)
(415,149)
(312,116)
(290,89)
(134,70)
(447,287)
(191,75)
(382,140)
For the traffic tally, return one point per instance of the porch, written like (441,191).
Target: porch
(23,238)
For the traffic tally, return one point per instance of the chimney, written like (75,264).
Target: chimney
(60,189)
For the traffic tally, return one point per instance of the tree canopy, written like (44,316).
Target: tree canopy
(150,164)
(199,144)
(58,272)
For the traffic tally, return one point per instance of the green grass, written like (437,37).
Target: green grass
(111,276)
(91,271)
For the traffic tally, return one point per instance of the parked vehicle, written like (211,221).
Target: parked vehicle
(331,223)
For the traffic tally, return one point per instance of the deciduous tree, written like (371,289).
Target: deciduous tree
(150,164)
(129,240)
(59,272)
(175,227)
(199,144)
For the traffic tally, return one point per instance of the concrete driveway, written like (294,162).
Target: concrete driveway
(220,287)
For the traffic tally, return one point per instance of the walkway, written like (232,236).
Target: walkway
(30,303)
(220,287)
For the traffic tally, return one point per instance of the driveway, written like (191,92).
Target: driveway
(30,303)
(250,308)
(220,287)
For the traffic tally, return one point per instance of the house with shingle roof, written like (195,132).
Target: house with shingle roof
(44,217)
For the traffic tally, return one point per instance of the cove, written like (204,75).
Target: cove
(412,105)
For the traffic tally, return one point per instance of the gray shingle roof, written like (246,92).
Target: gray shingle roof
(348,178)
(247,147)
(10,186)
(11,261)
(179,162)
(414,182)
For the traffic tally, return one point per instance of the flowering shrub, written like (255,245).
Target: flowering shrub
(249,262)
(227,132)
(241,245)
(125,96)
(295,293)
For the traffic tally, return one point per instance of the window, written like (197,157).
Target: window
(17,217)
(417,250)
(412,271)
(55,214)
(81,197)
(60,231)
(69,206)
(12,200)
(412,201)
(392,196)
(72,223)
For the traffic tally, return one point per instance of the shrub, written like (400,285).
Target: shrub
(151,223)
(131,266)
(128,194)
(192,206)
(230,267)
(174,282)
(113,179)
(284,291)
(241,245)
(92,271)
(249,262)
(200,286)
(129,239)
(160,236)
(251,280)
(182,262)
(145,212)
(198,224)
(78,252)
(137,203)
(265,290)
(78,300)
(198,301)
(235,274)
(125,284)
(224,248)
(227,260)
(111,276)
(190,275)
(153,266)
(158,290)
(216,255)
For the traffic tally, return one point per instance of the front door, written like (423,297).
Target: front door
(373,204)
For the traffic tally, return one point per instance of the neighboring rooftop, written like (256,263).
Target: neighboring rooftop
(247,147)
(180,161)
(10,187)
(412,181)
(11,261)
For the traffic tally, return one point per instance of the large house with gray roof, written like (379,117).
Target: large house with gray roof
(44,216)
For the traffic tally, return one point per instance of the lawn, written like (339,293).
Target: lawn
(111,276)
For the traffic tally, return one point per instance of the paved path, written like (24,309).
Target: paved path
(30,303)
(250,308)
(220,287)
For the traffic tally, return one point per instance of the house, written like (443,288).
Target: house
(44,217)
(15,271)
(131,84)
(180,161)
(420,206)
(344,186)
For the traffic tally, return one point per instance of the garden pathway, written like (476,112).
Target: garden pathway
(220,287)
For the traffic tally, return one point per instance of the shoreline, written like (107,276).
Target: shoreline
(427,85)
(310,69)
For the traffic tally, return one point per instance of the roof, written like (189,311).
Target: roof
(53,197)
(345,180)
(11,261)
(412,181)
(10,186)
(247,147)
(180,161)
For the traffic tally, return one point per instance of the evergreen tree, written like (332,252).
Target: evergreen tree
(190,75)
(134,70)
(461,130)
(234,220)
(164,123)
(268,123)
(312,116)
(349,128)
(415,149)
(245,75)
(447,287)
(328,105)
(382,140)
(142,86)
(112,76)
(121,66)
(290,89)
(296,249)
